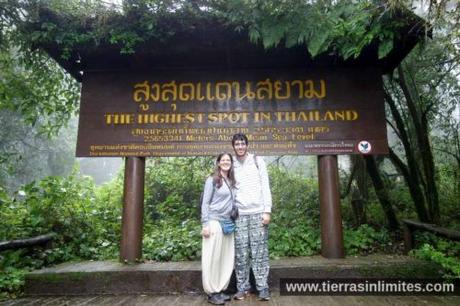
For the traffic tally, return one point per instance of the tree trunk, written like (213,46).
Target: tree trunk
(430,174)
(421,132)
(357,206)
(359,194)
(381,192)
(410,172)
(414,188)
(361,176)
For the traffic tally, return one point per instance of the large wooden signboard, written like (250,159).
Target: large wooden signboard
(190,113)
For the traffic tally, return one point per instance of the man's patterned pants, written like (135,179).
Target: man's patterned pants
(251,249)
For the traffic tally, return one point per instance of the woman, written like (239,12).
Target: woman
(218,249)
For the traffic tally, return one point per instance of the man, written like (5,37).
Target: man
(254,201)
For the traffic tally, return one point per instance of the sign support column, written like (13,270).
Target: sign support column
(133,210)
(329,198)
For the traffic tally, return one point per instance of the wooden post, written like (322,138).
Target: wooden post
(329,198)
(133,210)
(408,238)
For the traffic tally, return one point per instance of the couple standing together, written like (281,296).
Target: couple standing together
(243,183)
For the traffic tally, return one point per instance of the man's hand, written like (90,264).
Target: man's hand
(265,218)
(205,232)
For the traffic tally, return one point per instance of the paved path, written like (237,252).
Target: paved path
(195,300)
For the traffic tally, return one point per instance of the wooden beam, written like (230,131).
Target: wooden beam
(448,233)
(27,242)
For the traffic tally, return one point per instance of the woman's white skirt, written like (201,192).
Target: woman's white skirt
(217,259)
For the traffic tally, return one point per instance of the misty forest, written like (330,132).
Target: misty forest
(44,189)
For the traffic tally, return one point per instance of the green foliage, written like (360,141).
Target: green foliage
(423,96)
(86,224)
(106,220)
(442,251)
(55,205)
(34,86)
(173,187)
(449,195)
(341,27)
(365,239)
(294,229)
(11,282)
(301,239)
(297,204)
(400,196)
(445,253)
(87,220)
(164,241)
(37,99)
(172,222)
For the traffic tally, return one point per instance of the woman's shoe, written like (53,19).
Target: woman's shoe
(225,297)
(216,299)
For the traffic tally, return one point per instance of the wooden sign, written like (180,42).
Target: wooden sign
(190,113)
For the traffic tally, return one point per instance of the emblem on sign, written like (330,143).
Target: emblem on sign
(364,147)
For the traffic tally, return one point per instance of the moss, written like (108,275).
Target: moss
(58,277)
(417,269)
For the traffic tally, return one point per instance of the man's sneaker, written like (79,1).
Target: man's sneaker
(264,295)
(216,299)
(240,295)
(225,297)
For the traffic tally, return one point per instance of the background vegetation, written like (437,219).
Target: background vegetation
(41,191)
(87,220)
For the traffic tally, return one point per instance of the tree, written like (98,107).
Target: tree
(27,154)
(45,96)
(421,93)
(31,83)
(37,99)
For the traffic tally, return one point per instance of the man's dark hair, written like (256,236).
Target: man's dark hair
(239,136)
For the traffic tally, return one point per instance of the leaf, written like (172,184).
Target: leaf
(272,36)
(317,43)
(385,47)
(254,35)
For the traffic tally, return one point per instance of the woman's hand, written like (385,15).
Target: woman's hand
(205,232)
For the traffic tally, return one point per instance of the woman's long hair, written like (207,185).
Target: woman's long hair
(217,177)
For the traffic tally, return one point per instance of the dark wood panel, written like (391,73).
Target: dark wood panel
(300,111)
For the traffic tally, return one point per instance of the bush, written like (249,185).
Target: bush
(172,207)
(299,240)
(86,225)
(450,264)
(365,239)
(87,220)
(166,242)
(295,198)
(294,228)
(173,187)
(55,204)
(442,251)
(11,282)
(449,195)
